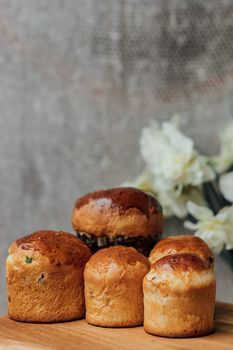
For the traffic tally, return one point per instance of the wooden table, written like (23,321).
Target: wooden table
(80,335)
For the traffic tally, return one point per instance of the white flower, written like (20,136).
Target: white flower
(172,159)
(175,170)
(226,186)
(215,230)
(224,160)
(173,202)
(144,181)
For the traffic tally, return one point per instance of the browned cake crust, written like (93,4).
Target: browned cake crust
(45,277)
(179,263)
(122,256)
(181,244)
(117,212)
(113,287)
(58,246)
(179,296)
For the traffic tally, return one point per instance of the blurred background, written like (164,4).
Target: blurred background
(80,79)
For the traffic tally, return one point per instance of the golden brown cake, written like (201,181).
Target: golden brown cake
(179,296)
(181,244)
(113,287)
(45,277)
(118,216)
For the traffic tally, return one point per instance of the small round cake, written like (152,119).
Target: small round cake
(179,296)
(118,216)
(181,244)
(45,277)
(113,287)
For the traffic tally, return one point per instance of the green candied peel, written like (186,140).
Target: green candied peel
(28,259)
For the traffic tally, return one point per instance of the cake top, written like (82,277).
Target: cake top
(60,247)
(123,198)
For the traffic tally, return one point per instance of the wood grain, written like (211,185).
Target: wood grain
(80,335)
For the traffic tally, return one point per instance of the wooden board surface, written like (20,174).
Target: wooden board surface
(80,335)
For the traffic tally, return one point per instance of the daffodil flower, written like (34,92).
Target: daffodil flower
(175,171)
(172,158)
(215,230)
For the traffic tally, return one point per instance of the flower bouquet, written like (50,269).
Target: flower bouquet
(190,185)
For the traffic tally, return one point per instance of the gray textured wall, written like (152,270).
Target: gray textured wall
(79,79)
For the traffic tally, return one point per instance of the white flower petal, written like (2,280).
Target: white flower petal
(226,186)
(224,159)
(216,231)
(190,225)
(179,209)
(222,215)
(171,157)
(215,240)
(228,212)
(177,139)
(144,181)
(176,120)
(199,212)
